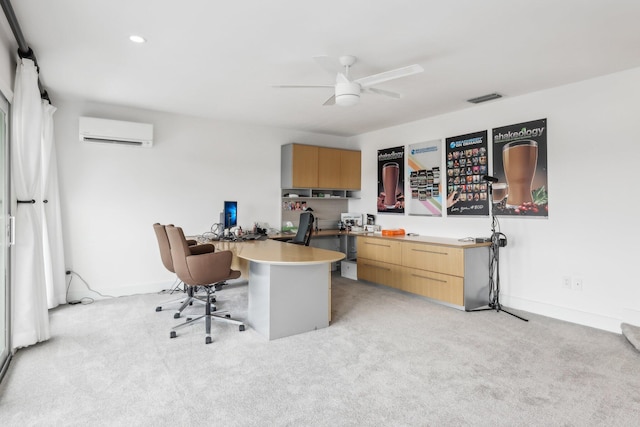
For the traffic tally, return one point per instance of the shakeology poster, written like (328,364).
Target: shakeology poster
(424,165)
(520,164)
(467,162)
(391,180)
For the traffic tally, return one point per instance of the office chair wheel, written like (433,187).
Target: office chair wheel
(208,340)
(176,315)
(213,300)
(241,328)
(228,316)
(158,308)
(172,334)
(189,319)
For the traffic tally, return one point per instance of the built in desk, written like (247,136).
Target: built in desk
(289,288)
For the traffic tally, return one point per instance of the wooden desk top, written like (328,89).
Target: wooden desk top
(432,240)
(321,233)
(274,252)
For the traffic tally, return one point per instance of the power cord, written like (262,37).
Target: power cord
(83,300)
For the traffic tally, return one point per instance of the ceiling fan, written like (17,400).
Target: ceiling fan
(347,90)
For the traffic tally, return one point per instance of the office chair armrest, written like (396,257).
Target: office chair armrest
(212,267)
(191,242)
(202,249)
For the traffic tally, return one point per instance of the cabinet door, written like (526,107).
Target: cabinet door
(305,166)
(329,165)
(380,250)
(441,287)
(441,259)
(350,167)
(379,272)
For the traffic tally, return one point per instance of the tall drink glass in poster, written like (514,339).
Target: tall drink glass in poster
(424,165)
(467,163)
(520,164)
(391,180)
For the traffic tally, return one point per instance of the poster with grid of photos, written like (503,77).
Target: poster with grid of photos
(467,163)
(424,162)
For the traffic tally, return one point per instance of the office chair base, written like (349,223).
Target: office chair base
(221,316)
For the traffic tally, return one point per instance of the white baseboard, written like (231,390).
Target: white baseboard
(594,320)
(631,316)
(80,291)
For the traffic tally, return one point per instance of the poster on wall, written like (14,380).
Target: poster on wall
(467,163)
(520,165)
(391,180)
(424,162)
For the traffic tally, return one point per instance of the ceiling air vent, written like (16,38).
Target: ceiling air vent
(484,98)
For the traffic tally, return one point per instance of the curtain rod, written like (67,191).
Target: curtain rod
(24,51)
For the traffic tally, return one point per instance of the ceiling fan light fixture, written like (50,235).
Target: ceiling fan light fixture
(347,94)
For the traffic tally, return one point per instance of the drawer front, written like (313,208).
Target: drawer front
(380,250)
(441,259)
(441,287)
(379,272)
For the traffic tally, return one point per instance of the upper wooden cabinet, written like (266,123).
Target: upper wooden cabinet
(309,166)
(350,169)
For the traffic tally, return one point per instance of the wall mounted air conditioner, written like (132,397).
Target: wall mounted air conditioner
(116,132)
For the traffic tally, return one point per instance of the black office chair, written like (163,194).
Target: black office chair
(305,228)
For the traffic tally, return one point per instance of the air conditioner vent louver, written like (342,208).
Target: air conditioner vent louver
(484,98)
(105,131)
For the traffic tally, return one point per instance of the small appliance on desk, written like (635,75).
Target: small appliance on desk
(351,221)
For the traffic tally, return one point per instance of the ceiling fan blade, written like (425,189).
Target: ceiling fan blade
(388,93)
(302,86)
(330,101)
(389,75)
(329,64)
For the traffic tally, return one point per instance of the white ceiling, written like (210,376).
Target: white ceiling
(220,59)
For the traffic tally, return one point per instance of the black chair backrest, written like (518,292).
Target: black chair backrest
(305,227)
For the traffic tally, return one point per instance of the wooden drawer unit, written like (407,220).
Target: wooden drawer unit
(441,259)
(445,270)
(380,272)
(442,287)
(379,250)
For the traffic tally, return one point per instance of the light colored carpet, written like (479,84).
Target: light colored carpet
(388,358)
(632,333)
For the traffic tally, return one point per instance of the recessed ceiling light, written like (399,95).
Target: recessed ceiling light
(137,39)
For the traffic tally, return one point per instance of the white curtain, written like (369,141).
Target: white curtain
(53,249)
(30,318)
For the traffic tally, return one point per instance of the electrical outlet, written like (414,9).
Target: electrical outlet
(577,284)
(566,282)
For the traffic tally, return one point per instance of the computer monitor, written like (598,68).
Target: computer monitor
(230,214)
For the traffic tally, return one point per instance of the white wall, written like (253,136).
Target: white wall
(111,195)
(592,230)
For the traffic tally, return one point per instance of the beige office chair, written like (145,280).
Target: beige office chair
(203,270)
(305,229)
(167,261)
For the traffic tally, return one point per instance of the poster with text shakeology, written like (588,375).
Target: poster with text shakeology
(520,164)
(391,180)
(424,164)
(467,163)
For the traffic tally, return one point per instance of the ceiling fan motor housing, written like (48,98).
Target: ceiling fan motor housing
(347,93)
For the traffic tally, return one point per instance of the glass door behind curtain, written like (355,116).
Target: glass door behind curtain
(4,236)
